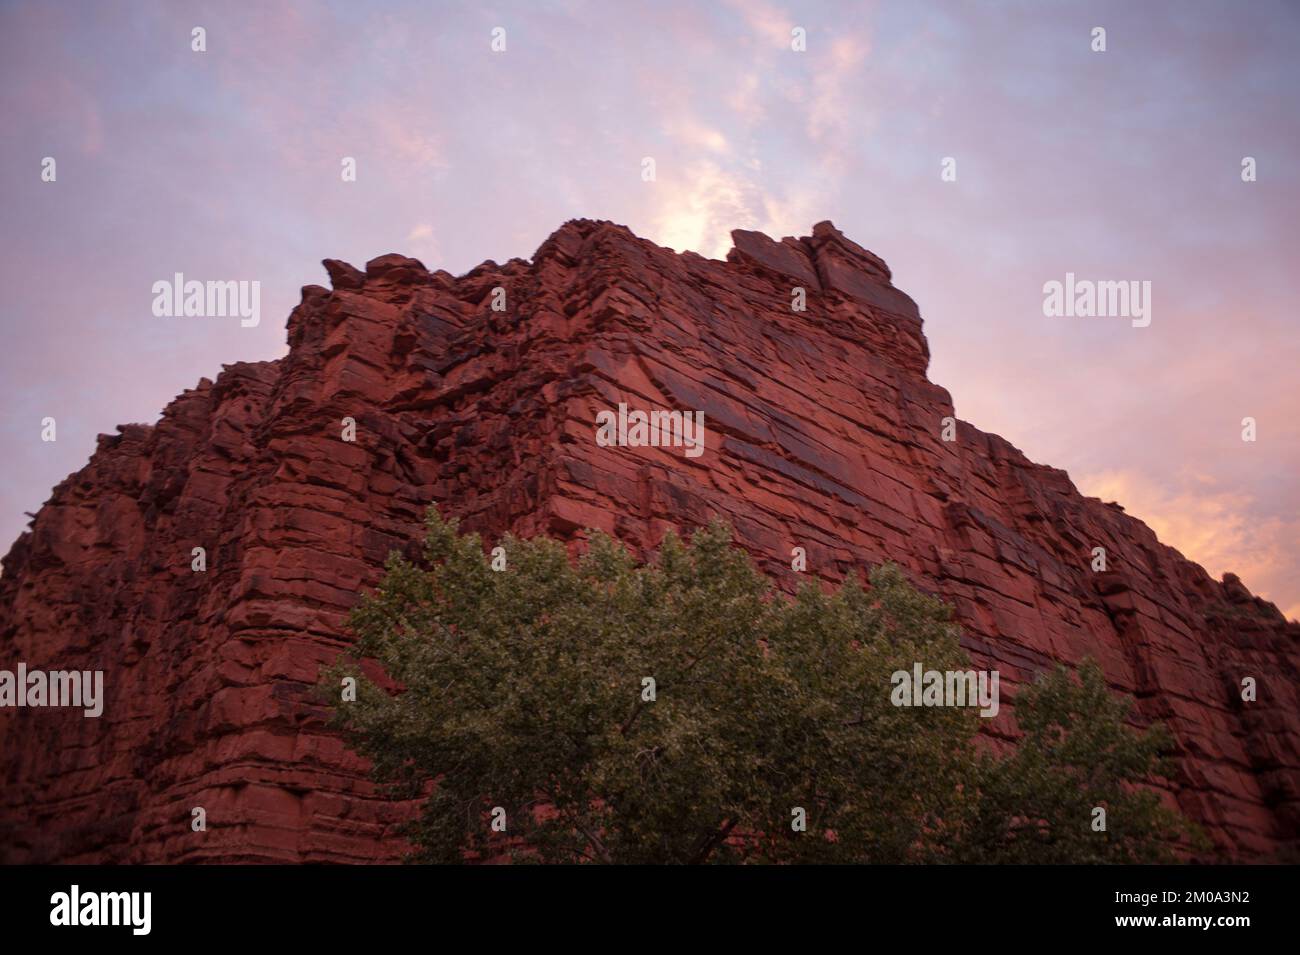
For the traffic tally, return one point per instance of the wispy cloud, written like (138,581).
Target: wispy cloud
(227,164)
(1220,528)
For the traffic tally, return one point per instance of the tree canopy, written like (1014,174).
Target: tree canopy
(685,711)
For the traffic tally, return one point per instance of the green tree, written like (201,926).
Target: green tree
(1078,755)
(684,711)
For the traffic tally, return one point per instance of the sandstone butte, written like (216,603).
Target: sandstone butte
(823,432)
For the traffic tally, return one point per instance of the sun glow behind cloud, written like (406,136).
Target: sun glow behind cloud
(463,155)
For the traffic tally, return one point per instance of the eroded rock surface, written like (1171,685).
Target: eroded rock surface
(822,432)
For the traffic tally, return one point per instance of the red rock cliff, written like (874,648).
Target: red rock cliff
(822,432)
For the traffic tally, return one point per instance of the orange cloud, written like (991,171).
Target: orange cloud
(1212,525)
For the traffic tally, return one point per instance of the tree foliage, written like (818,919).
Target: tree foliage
(527,689)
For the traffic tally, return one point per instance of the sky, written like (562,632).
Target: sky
(1115,165)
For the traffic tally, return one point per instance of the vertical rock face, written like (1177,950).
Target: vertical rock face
(822,431)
